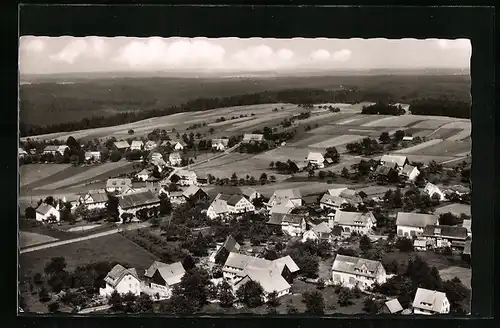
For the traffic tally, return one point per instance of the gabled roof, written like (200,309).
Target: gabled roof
(253,137)
(292,218)
(383,170)
(248,191)
(420,243)
(399,160)
(394,306)
(269,278)
(44,208)
(332,200)
(137,199)
(144,172)
(150,143)
(191,191)
(350,264)
(315,156)
(429,300)
(241,261)
(171,273)
(92,153)
(445,231)
(185,174)
(336,191)
(117,273)
(416,220)
(219,206)
(353,218)
(121,144)
(276,218)
(407,169)
(288,193)
(51,148)
(231,245)
(235,199)
(223,141)
(431,187)
(322,228)
(98,196)
(174,155)
(289,262)
(283,208)
(137,143)
(118,182)
(21,151)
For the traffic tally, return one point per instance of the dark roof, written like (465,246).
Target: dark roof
(383,170)
(445,231)
(43,208)
(231,244)
(98,196)
(233,200)
(293,218)
(276,218)
(137,199)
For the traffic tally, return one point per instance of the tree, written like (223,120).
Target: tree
(49,200)
(55,265)
(53,307)
(188,263)
(315,303)
(131,132)
(165,206)
(112,207)
(365,243)
(263,178)
(456,293)
(399,135)
(194,286)
(211,130)
(310,173)
(271,165)
(384,137)
(115,301)
(321,283)
(345,173)
(345,297)
(30,213)
(250,294)
(272,299)
(370,305)
(43,295)
(290,308)
(225,294)
(404,244)
(332,153)
(115,156)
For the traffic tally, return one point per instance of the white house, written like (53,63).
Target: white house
(430,302)
(45,212)
(121,145)
(361,223)
(55,149)
(407,138)
(137,145)
(331,202)
(21,152)
(94,156)
(133,202)
(94,199)
(175,144)
(237,203)
(316,159)
(220,144)
(413,224)
(351,271)
(162,278)
(285,207)
(399,160)
(121,280)
(143,175)
(318,232)
(467,224)
(431,189)
(218,208)
(118,185)
(249,137)
(410,172)
(186,178)
(175,159)
(150,145)
(283,195)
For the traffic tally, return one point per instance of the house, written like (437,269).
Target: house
(94,199)
(186,178)
(194,192)
(271,275)
(285,207)
(349,271)
(283,195)
(400,161)
(121,145)
(446,236)
(72,199)
(177,197)
(316,159)
(94,156)
(431,189)
(175,144)
(292,224)
(218,208)
(118,185)
(21,153)
(47,213)
(407,138)
(55,149)
(292,267)
(385,170)
(143,175)
(252,137)
(202,180)
(421,245)
(220,144)
(137,145)
(361,223)
(391,307)
(150,145)
(250,193)
(410,172)
(133,202)
(121,280)
(413,224)
(222,251)
(331,202)
(467,224)
(162,278)
(175,159)
(236,203)
(155,156)
(301,165)
(430,302)
(318,232)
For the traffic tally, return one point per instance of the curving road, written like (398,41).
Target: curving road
(96,235)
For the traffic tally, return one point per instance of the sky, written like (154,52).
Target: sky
(54,55)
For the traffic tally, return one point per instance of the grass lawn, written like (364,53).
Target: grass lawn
(108,248)
(31,173)
(66,173)
(30,239)
(464,274)
(439,261)
(325,268)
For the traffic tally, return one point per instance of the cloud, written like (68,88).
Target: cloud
(454,44)
(285,53)
(32,45)
(320,54)
(90,47)
(342,55)
(261,57)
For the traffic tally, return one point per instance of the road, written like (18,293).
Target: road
(94,309)
(127,227)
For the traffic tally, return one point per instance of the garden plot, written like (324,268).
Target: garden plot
(455,208)
(337,141)
(419,149)
(393,121)
(460,136)
(34,172)
(88,174)
(440,148)
(249,166)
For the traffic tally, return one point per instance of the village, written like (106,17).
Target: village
(251,249)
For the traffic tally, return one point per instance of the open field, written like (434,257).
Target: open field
(305,187)
(337,141)
(458,124)
(416,132)
(109,248)
(439,261)
(464,274)
(393,121)
(437,147)
(34,172)
(284,153)
(421,146)
(455,208)
(249,124)
(460,135)
(30,239)
(231,122)
(90,173)
(60,175)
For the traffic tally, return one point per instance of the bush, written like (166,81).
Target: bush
(53,307)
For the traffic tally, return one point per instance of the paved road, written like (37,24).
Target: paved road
(94,309)
(96,235)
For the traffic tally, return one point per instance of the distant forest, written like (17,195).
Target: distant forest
(48,107)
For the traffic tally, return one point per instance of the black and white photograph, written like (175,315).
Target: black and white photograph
(264,176)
